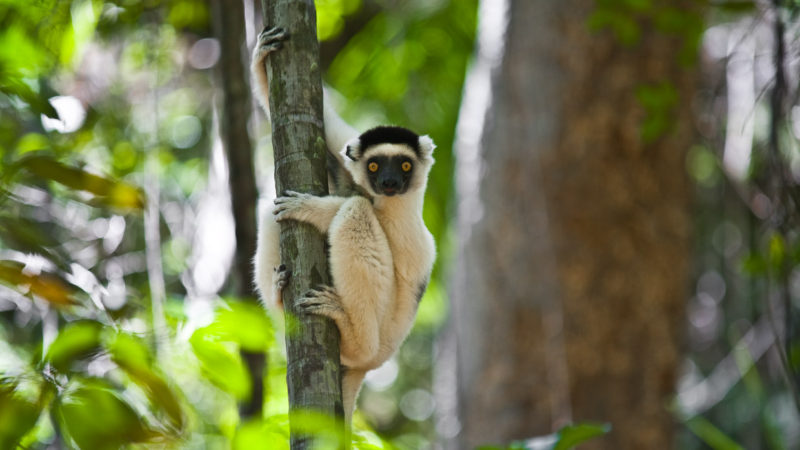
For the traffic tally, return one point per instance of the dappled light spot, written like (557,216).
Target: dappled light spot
(204,53)
(417,404)
(71,115)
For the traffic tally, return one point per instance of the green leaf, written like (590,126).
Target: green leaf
(94,416)
(245,323)
(45,285)
(572,435)
(75,341)
(30,236)
(18,413)
(109,192)
(132,355)
(35,102)
(268,435)
(711,435)
(221,363)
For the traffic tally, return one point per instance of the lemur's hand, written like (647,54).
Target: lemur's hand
(269,40)
(292,205)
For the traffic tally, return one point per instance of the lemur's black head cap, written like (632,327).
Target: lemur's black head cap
(389,135)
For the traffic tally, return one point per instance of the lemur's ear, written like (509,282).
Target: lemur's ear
(426,145)
(351,149)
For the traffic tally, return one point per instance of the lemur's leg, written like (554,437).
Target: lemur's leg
(318,211)
(351,384)
(268,258)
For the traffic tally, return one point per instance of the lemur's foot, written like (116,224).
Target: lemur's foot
(282,275)
(323,301)
(289,205)
(280,280)
(271,39)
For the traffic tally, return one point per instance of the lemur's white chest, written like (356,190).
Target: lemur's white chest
(410,241)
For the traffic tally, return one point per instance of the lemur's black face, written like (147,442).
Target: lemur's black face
(389,175)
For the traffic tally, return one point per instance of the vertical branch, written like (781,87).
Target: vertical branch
(152,221)
(783,205)
(235,114)
(295,101)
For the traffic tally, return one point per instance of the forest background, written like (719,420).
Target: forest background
(614,202)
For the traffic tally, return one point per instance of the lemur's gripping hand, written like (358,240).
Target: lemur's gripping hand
(323,301)
(292,206)
(269,40)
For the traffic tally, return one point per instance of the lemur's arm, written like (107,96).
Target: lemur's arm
(337,131)
(318,211)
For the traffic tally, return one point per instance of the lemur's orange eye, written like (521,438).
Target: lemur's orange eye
(406,166)
(373,167)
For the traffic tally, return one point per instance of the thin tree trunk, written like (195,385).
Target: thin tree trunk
(295,100)
(235,114)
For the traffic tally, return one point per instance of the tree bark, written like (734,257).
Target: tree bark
(572,270)
(295,102)
(233,119)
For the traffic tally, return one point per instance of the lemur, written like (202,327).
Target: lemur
(380,252)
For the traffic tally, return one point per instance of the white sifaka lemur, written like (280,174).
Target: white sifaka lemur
(380,252)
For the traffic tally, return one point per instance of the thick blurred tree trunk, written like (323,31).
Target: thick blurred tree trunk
(574,230)
(233,119)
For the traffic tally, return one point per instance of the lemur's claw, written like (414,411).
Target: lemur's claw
(272,34)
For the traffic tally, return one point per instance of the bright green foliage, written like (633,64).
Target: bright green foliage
(94,416)
(18,413)
(77,340)
(221,363)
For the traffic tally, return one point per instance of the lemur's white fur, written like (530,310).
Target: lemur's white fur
(381,253)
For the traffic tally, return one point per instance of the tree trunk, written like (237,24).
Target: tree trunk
(235,114)
(295,102)
(572,270)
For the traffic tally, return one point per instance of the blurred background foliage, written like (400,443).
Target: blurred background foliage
(101,101)
(104,104)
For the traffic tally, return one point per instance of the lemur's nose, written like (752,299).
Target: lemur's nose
(390,183)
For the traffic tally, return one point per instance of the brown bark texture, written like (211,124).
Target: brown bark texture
(235,114)
(295,102)
(569,298)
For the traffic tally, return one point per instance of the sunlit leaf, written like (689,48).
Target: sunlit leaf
(94,416)
(75,341)
(110,192)
(45,285)
(266,435)
(32,142)
(18,414)
(245,323)
(327,431)
(572,435)
(132,355)
(221,364)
